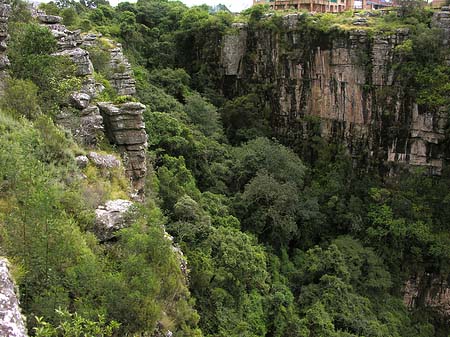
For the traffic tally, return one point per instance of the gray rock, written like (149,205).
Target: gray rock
(43,18)
(79,100)
(91,87)
(233,51)
(111,217)
(11,321)
(107,161)
(121,78)
(90,110)
(82,161)
(81,58)
(86,126)
(360,22)
(125,128)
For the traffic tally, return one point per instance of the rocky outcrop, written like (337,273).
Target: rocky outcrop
(5,10)
(86,126)
(82,119)
(81,59)
(11,320)
(104,161)
(428,290)
(126,129)
(111,217)
(119,72)
(343,80)
(123,124)
(121,78)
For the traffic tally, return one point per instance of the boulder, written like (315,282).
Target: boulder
(44,18)
(82,161)
(11,321)
(79,100)
(111,217)
(107,161)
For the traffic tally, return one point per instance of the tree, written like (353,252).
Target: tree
(271,209)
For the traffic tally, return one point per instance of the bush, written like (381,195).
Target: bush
(21,99)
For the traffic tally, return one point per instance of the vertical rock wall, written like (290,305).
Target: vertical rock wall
(11,320)
(345,79)
(125,128)
(428,290)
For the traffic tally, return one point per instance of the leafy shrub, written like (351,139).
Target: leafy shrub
(21,98)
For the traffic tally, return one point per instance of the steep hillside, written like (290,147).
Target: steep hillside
(175,171)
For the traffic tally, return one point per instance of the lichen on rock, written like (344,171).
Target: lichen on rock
(11,320)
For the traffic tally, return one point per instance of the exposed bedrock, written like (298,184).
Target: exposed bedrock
(5,10)
(428,290)
(125,128)
(11,320)
(344,80)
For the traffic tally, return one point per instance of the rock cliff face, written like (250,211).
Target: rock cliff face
(345,80)
(428,290)
(126,129)
(123,123)
(11,321)
(81,117)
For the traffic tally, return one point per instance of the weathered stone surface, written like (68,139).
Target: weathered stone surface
(233,51)
(125,128)
(107,161)
(91,87)
(81,58)
(111,217)
(121,78)
(85,126)
(43,18)
(11,320)
(79,100)
(5,11)
(346,81)
(82,161)
(428,290)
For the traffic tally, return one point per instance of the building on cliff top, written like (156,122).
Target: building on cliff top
(322,6)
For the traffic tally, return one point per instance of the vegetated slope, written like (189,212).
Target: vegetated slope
(279,241)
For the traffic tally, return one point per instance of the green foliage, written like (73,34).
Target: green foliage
(100,60)
(29,51)
(203,114)
(174,81)
(70,16)
(75,325)
(245,118)
(20,99)
(279,241)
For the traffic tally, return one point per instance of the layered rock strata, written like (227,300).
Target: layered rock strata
(123,124)
(81,117)
(125,128)
(119,72)
(345,81)
(122,78)
(11,320)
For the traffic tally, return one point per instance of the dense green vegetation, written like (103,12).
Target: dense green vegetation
(278,242)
